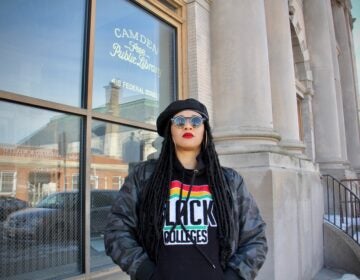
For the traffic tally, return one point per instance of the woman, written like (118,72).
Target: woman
(184,216)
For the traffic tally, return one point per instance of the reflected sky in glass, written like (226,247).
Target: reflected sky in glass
(41,45)
(20,123)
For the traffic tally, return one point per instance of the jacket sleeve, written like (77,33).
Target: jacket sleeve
(252,247)
(120,235)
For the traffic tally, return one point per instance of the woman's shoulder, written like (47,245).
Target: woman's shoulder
(232,175)
(143,169)
(145,164)
(228,171)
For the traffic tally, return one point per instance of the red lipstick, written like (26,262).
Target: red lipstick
(187,135)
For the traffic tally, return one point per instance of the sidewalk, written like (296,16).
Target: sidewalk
(324,274)
(327,274)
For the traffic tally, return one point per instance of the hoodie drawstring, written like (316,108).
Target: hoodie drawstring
(179,222)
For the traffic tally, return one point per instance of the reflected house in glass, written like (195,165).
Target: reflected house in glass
(57,144)
(34,180)
(127,143)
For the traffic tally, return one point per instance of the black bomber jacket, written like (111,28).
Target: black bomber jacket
(248,248)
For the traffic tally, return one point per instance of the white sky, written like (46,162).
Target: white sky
(356,33)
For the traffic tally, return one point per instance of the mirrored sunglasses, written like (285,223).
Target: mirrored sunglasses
(180,121)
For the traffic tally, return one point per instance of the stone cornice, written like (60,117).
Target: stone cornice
(203,3)
(338,2)
(344,3)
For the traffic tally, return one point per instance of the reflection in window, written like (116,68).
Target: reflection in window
(42,150)
(75,181)
(116,149)
(7,182)
(41,49)
(117,181)
(101,202)
(134,62)
(94,182)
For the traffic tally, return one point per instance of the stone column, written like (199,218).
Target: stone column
(335,53)
(326,120)
(198,46)
(343,34)
(240,77)
(286,188)
(282,78)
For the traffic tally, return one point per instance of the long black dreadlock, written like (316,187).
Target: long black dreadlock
(156,193)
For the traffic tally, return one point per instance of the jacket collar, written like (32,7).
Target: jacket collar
(200,166)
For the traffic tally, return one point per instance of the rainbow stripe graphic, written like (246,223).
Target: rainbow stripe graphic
(197,191)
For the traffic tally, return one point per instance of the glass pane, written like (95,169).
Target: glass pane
(41,49)
(115,149)
(39,205)
(134,62)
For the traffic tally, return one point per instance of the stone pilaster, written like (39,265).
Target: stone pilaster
(282,78)
(240,77)
(348,84)
(308,124)
(329,153)
(335,53)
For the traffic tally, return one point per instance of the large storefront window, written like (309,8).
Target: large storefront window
(81,85)
(41,49)
(134,62)
(40,217)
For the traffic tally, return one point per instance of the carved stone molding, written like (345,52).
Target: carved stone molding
(337,2)
(191,1)
(343,3)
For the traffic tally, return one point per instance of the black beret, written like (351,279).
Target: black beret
(177,106)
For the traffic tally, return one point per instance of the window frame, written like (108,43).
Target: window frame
(13,173)
(300,89)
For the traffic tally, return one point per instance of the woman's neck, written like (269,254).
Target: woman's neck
(187,158)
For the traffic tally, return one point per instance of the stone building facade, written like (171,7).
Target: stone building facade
(278,77)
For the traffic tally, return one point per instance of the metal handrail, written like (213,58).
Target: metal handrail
(353,185)
(342,207)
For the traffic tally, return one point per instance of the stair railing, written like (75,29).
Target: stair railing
(342,207)
(353,185)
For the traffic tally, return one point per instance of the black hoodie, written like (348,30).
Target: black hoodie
(189,248)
